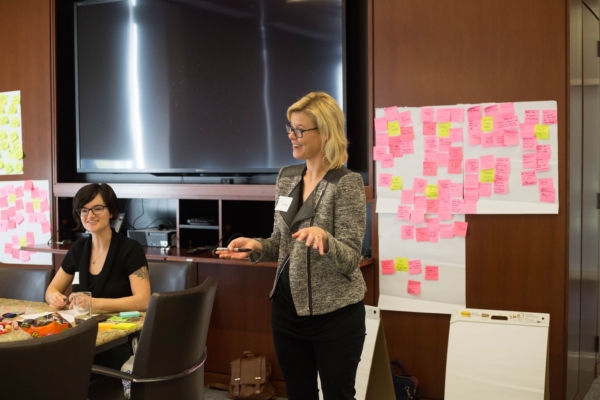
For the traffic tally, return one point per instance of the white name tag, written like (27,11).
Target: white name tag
(76,279)
(284,203)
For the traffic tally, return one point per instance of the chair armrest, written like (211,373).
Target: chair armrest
(113,373)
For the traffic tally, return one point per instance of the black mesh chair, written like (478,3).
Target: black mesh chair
(169,360)
(51,367)
(25,283)
(169,276)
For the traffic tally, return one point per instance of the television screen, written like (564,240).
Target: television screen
(199,86)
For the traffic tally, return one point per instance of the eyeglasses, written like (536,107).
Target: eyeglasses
(297,131)
(96,210)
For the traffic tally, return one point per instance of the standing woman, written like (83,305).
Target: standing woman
(318,314)
(111,266)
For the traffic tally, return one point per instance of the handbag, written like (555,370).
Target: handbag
(250,378)
(406,386)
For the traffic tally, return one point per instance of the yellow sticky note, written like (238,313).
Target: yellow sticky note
(541,132)
(401,264)
(4,120)
(393,128)
(444,129)
(2,110)
(1,164)
(487,175)
(16,99)
(3,99)
(16,146)
(15,122)
(13,136)
(431,191)
(396,183)
(8,169)
(18,166)
(4,145)
(2,135)
(22,241)
(18,154)
(125,325)
(12,109)
(12,198)
(36,205)
(487,124)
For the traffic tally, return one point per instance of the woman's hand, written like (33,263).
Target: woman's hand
(57,300)
(315,237)
(242,242)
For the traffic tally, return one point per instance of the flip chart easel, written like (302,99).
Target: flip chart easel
(497,355)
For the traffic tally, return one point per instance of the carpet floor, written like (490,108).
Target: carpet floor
(213,394)
(594,392)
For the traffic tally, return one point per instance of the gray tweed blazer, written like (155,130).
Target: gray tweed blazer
(319,284)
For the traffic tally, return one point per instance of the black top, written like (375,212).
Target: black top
(125,256)
(339,323)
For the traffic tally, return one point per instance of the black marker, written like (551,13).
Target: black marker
(235,249)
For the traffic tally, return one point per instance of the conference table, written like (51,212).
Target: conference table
(105,340)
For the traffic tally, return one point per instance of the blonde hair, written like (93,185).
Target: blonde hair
(329,118)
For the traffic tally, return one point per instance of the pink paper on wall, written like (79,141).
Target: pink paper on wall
(384,180)
(532,117)
(407,197)
(414,288)
(380,125)
(387,267)
(414,267)
(427,114)
(431,273)
(474,113)
(407,232)
(422,234)
(460,228)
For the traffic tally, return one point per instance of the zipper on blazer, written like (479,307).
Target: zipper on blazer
(287,259)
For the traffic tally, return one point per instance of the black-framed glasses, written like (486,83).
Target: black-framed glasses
(297,131)
(96,210)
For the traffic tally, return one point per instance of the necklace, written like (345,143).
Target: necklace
(101,254)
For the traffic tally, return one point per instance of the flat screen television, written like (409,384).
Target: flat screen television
(199,86)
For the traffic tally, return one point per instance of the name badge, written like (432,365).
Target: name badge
(284,203)
(76,279)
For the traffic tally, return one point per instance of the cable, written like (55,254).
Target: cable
(143,211)
(64,222)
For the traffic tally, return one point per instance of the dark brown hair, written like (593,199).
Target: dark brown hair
(87,194)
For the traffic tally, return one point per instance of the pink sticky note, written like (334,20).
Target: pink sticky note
(475,138)
(471,194)
(408,197)
(3,226)
(11,224)
(543,151)
(445,213)
(420,203)
(528,178)
(549,117)
(419,185)
(433,235)
(19,218)
(507,109)
(391,113)
(45,227)
(456,153)
(387,161)
(24,255)
(4,215)
(380,124)
(31,218)
(442,115)
(28,185)
(384,180)
(511,138)
(431,156)
(457,206)
(456,135)
(498,139)
(422,234)
(456,189)
(470,207)
(527,130)
(414,267)
(381,139)
(12,211)
(417,216)
(387,267)
(457,114)
(413,287)
(29,207)
(529,160)
(503,164)
(460,228)
(403,213)
(429,169)
(487,162)
(8,248)
(3,202)
(407,133)
(471,181)
(378,152)
(501,176)
(511,123)
(492,111)
(404,118)
(395,146)
(501,187)
(441,159)
(444,144)
(427,114)
(547,195)
(474,113)
(43,194)
(35,193)
(485,189)
(433,224)
(407,232)
(431,206)
(15,240)
(532,116)
(407,147)
(431,273)
(546,183)
(430,143)
(487,140)
(455,167)
(40,217)
(19,204)
(542,165)
(472,165)
(429,128)
(16,254)
(529,143)
(29,239)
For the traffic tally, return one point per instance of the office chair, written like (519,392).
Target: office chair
(169,361)
(25,283)
(51,367)
(169,276)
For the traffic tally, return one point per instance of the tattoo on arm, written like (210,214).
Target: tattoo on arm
(142,273)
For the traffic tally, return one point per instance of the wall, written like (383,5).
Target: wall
(469,51)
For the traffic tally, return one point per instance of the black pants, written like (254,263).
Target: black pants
(335,361)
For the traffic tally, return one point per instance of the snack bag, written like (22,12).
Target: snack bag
(49,324)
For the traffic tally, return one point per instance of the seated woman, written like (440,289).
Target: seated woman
(110,266)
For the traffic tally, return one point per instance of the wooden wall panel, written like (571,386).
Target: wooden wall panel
(468,51)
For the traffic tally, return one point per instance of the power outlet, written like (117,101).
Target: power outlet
(228,181)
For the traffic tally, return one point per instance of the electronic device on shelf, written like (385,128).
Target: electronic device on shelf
(202,221)
(153,237)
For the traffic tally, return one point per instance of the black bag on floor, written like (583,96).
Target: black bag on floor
(406,386)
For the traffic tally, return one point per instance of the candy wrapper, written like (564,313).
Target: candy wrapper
(49,324)
(7,327)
